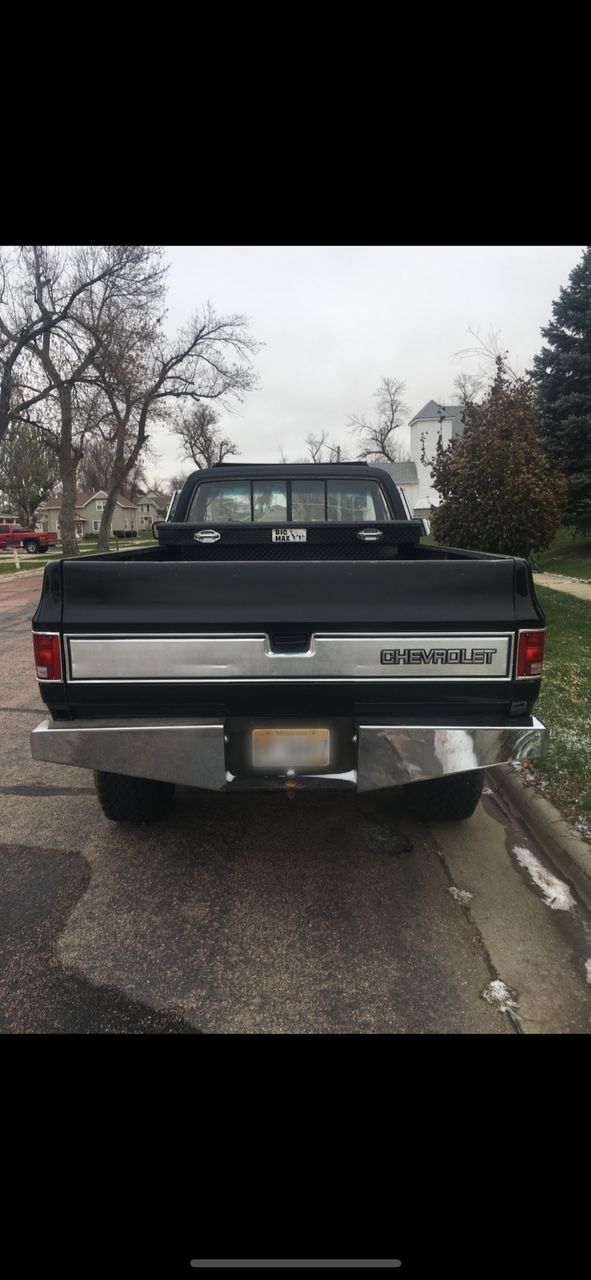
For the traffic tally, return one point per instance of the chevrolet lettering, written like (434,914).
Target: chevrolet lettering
(291,631)
(474,657)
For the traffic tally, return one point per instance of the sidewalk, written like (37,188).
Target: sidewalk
(19,577)
(557,582)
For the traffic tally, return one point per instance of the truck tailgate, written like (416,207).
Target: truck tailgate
(133,596)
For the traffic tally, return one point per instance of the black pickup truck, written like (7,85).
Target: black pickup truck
(290,631)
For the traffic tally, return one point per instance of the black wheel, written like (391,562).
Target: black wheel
(32,548)
(126,799)
(446,799)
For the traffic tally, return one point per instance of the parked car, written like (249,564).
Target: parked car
(290,631)
(35,541)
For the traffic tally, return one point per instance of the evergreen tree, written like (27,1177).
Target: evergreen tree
(562,378)
(499,491)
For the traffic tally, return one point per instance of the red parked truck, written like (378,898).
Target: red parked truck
(33,540)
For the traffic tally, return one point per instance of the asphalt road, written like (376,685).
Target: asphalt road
(255,913)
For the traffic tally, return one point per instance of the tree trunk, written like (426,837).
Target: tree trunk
(68,468)
(119,474)
(68,511)
(105,529)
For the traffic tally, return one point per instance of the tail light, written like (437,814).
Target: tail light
(530,654)
(48,658)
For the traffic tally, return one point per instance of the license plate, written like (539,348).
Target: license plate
(290,748)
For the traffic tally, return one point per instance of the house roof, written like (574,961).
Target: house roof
(160,499)
(401,472)
(432,410)
(82,500)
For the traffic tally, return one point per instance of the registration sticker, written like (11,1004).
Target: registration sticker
(289,535)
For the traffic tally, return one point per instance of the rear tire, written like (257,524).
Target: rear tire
(448,799)
(32,548)
(126,799)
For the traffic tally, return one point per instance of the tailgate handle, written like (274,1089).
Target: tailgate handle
(290,642)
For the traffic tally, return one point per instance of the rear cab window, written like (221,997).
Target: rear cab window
(298,501)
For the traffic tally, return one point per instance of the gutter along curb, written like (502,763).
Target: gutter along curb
(570,852)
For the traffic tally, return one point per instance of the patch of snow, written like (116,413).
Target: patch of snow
(556,894)
(487,791)
(588,970)
(499,994)
(460,895)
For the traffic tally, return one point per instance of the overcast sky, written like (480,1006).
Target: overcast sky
(334,320)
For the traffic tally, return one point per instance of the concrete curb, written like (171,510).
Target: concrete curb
(570,852)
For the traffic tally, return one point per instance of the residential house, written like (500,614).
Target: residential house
(404,475)
(151,506)
(89,509)
(433,422)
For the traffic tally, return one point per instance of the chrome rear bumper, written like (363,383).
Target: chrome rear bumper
(192,752)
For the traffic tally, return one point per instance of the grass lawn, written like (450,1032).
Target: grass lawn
(570,553)
(28,562)
(564,704)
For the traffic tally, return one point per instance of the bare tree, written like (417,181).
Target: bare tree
(25,321)
(28,470)
(321,449)
(136,481)
(86,414)
(377,436)
(96,464)
(492,354)
(315,446)
(201,438)
(175,484)
(468,387)
(96,467)
(77,302)
(142,374)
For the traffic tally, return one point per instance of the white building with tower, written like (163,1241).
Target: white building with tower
(433,422)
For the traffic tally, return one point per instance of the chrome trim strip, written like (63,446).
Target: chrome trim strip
(405,503)
(249,658)
(171,506)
